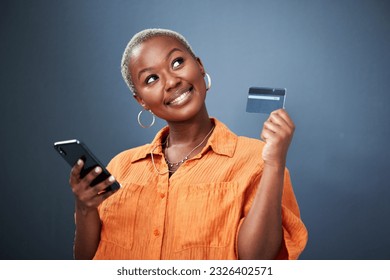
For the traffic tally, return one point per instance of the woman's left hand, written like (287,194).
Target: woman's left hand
(277,134)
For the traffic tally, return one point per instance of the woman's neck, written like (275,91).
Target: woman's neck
(189,132)
(186,139)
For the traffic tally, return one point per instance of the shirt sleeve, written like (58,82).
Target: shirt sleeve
(295,234)
(294,231)
(112,168)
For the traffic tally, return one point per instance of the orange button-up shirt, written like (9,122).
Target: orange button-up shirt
(197,212)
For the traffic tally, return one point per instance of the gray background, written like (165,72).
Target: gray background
(60,79)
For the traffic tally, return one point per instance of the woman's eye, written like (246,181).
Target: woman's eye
(177,62)
(151,79)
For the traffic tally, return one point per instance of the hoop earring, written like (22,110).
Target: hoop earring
(139,119)
(208,86)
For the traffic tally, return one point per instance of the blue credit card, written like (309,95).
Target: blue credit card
(265,100)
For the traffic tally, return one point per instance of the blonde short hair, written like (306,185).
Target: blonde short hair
(138,39)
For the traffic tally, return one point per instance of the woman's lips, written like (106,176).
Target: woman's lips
(181,99)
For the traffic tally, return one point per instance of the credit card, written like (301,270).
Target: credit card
(265,100)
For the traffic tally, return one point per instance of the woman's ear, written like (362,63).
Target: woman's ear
(140,101)
(200,66)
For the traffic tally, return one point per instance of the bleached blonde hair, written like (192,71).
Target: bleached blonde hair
(138,39)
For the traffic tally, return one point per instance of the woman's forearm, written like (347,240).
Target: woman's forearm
(261,233)
(87,236)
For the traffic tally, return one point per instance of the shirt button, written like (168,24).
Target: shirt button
(162,195)
(156,232)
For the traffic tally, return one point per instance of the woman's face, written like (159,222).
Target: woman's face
(168,79)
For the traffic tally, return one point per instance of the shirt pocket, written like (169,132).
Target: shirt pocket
(118,214)
(206,215)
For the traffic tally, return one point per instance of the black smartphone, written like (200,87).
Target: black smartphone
(73,150)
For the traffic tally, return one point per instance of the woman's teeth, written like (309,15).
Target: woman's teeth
(181,98)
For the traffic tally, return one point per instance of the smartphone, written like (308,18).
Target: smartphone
(73,150)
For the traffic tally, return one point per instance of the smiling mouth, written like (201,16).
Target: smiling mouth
(181,98)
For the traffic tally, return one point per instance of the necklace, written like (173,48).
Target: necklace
(175,164)
(170,164)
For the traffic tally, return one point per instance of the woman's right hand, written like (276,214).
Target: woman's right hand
(88,198)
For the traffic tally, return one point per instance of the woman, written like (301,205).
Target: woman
(197,191)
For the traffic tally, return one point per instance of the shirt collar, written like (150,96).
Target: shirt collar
(222,141)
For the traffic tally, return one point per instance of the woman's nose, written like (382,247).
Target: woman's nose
(171,82)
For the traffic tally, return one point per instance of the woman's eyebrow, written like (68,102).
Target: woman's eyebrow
(172,51)
(166,58)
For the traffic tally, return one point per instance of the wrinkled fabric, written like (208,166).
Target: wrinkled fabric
(197,212)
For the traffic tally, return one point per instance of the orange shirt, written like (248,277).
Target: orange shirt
(197,212)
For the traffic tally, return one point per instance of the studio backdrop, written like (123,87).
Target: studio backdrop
(60,79)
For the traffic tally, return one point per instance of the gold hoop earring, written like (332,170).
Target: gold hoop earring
(208,86)
(139,119)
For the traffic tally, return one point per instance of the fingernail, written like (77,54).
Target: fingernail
(79,162)
(111,179)
(98,169)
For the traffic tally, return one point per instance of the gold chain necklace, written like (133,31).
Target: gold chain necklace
(175,164)
(170,164)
